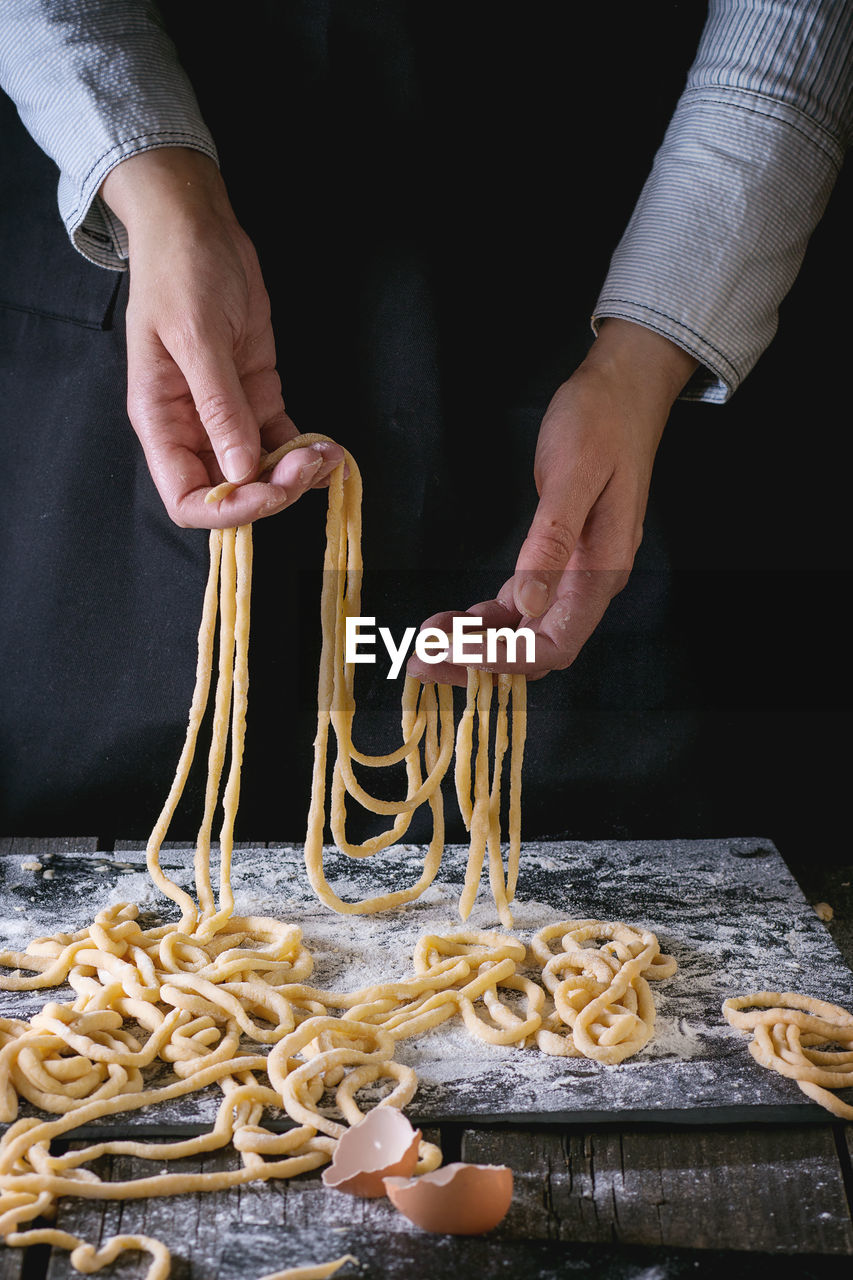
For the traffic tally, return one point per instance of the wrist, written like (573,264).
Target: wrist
(173,185)
(645,362)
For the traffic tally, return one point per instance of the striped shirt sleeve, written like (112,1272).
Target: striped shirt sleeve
(739,183)
(96,81)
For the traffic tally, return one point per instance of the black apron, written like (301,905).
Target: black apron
(434,193)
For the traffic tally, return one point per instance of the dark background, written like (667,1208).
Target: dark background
(434,192)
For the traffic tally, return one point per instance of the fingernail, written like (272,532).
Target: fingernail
(329,462)
(238,463)
(533,597)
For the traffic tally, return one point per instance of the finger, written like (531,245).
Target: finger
(506,597)
(253,501)
(566,499)
(247,503)
(490,614)
(308,468)
(438,672)
(544,555)
(598,572)
(263,392)
(293,476)
(262,389)
(222,405)
(183,481)
(557,637)
(583,599)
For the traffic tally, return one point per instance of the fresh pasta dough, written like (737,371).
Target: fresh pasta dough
(225,1000)
(199,999)
(805,1039)
(603,1006)
(427,728)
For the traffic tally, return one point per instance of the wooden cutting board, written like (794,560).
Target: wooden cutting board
(728,909)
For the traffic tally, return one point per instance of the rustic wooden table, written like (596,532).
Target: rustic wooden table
(620,1202)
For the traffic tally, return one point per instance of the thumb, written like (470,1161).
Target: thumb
(544,554)
(224,411)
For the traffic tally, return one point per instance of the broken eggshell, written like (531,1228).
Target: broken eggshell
(457,1200)
(383,1143)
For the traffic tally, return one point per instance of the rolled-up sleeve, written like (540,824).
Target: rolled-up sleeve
(739,183)
(96,81)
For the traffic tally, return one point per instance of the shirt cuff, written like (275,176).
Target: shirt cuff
(94,229)
(720,230)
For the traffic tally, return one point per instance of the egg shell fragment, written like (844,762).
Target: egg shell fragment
(457,1200)
(382,1144)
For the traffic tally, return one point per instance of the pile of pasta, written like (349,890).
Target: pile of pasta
(603,1005)
(144,995)
(801,1037)
(225,1000)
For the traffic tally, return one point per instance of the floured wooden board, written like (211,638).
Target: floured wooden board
(729,910)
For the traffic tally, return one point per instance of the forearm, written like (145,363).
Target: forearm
(96,81)
(741,180)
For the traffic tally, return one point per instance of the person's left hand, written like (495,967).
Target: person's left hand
(592,469)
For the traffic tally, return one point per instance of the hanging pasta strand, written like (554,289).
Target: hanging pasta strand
(519,735)
(340,599)
(480,808)
(221,717)
(464,746)
(423,715)
(497,878)
(242,589)
(204,665)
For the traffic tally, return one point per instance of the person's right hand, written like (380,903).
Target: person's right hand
(204,397)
